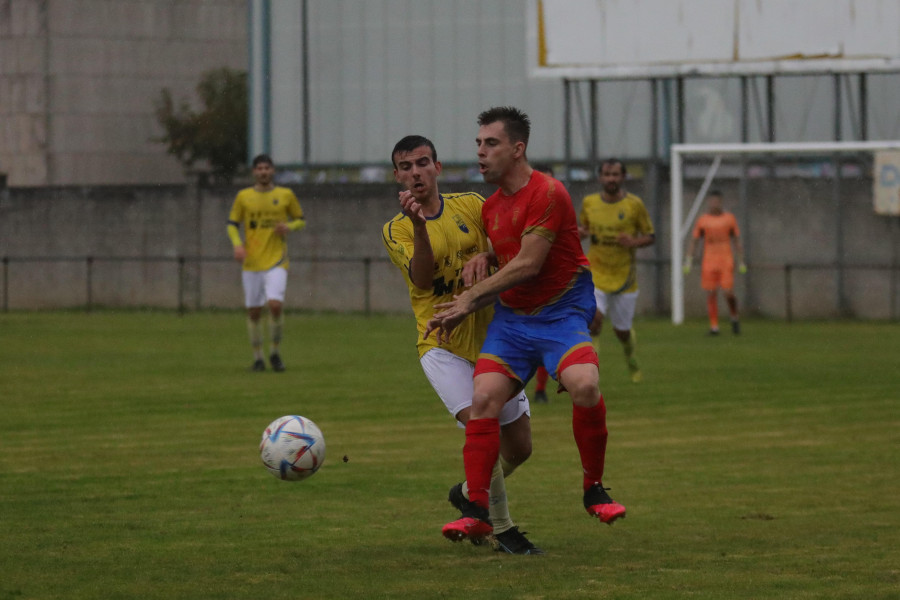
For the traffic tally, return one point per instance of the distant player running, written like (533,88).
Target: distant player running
(719,230)
(268,213)
(618,224)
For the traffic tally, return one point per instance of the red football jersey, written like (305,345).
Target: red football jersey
(542,207)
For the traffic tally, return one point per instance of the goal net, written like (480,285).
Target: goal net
(694,165)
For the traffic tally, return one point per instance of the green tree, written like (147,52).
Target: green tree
(218,133)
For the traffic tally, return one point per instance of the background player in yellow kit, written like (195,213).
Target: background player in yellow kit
(268,213)
(719,230)
(618,224)
(430,240)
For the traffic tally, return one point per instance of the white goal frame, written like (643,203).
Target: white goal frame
(680,230)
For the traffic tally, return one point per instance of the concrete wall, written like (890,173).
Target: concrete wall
(78,80)
(137,234)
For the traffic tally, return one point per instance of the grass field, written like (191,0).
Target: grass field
(764,466)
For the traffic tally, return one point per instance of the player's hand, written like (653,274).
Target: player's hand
(281,229)
(240,253)
(477,269)
(626,241)
(688,263)
(411,207)
(742,268)
(447,316)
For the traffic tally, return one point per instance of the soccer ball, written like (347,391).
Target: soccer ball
(292,448)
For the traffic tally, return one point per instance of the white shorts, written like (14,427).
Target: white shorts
(262,286)
(451,377)
(618,308)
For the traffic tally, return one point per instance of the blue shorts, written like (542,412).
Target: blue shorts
(556,337)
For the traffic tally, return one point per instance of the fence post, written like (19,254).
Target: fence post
(367,277)
(787,293)
(180,285)
(90,283)
(5,284)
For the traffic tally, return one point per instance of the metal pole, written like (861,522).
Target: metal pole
(304,90)
(367,277)
(181,309)
(567,127)
(677,251)
(90,282)
(836,199)
(654,184)
(5,284)
(787,293)
(743,209)
(594,120)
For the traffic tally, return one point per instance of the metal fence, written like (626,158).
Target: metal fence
(188,283)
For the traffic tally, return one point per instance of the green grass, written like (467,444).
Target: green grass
(764,466)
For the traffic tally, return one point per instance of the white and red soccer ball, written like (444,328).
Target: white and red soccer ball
(292,448)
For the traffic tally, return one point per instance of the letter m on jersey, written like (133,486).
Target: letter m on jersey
(442,287)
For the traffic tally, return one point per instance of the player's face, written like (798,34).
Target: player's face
(263,173)
(417,172)
(496,152)
(612,178)
(714,203)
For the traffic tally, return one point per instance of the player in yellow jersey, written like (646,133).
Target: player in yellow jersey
(719,230)
(618,224)
(430,240)
(268,213)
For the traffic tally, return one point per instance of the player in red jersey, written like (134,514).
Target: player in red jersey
(719,230)
(544,304)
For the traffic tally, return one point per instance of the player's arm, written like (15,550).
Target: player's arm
(479,267)
(296,224)
(234,234)
(689,256)
(523,267)
(636,241)
(421,263)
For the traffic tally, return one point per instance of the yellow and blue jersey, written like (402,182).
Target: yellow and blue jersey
(613,266)
(259,212)
(456,235)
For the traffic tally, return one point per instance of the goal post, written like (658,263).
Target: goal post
(681,229)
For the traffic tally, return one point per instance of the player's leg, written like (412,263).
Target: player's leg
(254,299)
(481,452)
(275,287)
(596,325)
(451,378)
(540,385)
(709,281)
(621,315)
(731,300)
(580,377)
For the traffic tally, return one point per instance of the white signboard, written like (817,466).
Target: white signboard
(659,38)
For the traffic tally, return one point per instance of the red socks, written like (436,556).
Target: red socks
(589,427)
(480,452)
(540,379)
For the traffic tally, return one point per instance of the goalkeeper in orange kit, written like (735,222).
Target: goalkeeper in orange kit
(719,231)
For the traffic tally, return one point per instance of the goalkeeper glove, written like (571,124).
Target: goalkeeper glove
(742,268)
(688,263)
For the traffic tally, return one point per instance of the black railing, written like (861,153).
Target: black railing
(182,264)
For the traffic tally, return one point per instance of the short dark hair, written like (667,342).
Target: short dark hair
(410,143)
(715,193)
(263,158)
(611,162)
(515,122)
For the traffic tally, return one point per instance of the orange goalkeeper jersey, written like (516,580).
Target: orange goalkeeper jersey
(717,231)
